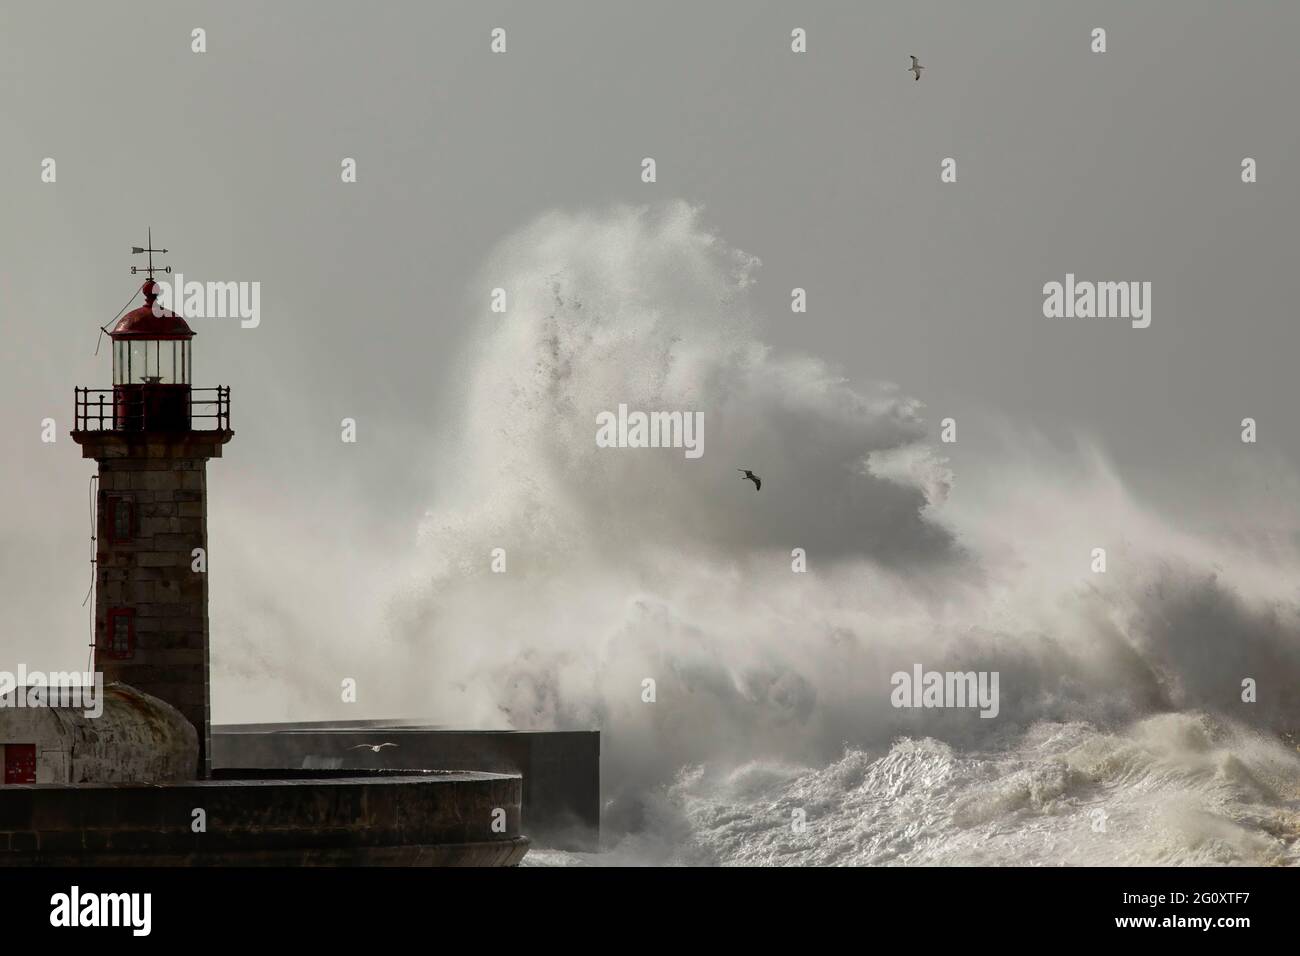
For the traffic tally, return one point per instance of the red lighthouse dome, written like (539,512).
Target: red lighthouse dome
(151,321)
(151,366)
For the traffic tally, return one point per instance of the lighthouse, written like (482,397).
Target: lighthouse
(117,787)
(152,434)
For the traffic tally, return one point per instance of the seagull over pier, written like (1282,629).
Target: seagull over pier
(373,748)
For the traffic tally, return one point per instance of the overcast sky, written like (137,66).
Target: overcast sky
(825,165)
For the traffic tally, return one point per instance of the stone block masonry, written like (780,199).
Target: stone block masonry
(151,605)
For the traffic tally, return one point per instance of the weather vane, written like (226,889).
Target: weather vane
(151,268)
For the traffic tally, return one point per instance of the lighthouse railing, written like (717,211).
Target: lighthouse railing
(164,408)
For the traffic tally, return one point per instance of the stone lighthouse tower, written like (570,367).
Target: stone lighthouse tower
(152,434)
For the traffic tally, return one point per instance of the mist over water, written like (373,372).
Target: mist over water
(1119,692)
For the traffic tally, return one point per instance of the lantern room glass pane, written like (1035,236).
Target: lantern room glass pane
(146,361)
(136,360)
(167,354)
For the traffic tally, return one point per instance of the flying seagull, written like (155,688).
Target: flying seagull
(758,482)
(373,748)
(916,68)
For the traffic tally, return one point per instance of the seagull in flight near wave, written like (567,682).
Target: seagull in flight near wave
(758,482)
(373,748)
(915,67)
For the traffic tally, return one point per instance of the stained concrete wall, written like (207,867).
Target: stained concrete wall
(560,769)
(137,738)
(313,819)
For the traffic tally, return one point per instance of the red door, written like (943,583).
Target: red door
(20,763)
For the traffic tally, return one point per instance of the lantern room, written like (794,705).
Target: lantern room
(151,367)
(151,346)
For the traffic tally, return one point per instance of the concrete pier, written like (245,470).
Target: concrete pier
(296,818)
(560,769)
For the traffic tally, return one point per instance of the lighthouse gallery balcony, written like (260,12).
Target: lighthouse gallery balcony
(152,407)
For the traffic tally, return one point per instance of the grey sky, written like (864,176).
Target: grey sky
(1115,166)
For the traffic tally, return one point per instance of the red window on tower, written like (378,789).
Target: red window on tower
(119,636)
(121,519)
(20,763)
